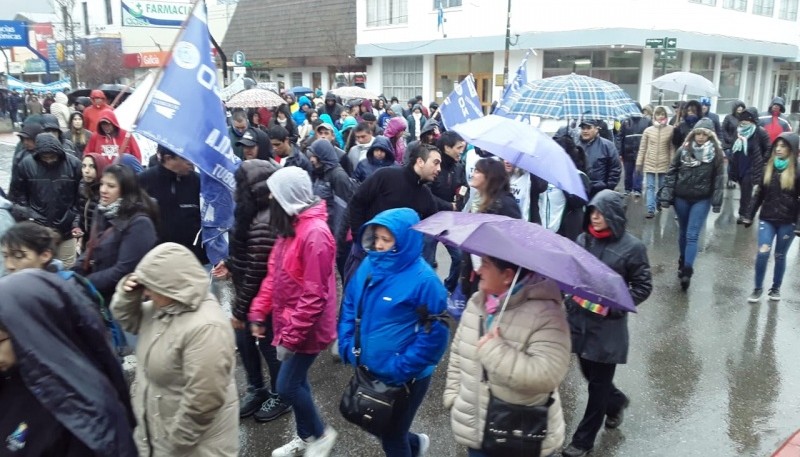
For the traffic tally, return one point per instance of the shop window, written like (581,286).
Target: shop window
(737,5)
(386,12)
(764,7)
(446,3)
(788,10)
(402,77)
(296,78)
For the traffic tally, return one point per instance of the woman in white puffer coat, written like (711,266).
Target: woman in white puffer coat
(525,355)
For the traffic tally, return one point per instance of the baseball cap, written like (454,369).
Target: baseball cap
(592,122)
(248,139)
(324,125)
(30,130)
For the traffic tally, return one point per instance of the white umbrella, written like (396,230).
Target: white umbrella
(349,92)
(255,98)
(684,82)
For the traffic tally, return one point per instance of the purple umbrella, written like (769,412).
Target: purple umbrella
(535,248)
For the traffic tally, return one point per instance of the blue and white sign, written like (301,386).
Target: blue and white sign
(462,104)
(137,13)
(13,33)
(184,113)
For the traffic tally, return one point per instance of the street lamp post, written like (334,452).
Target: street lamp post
(508,45)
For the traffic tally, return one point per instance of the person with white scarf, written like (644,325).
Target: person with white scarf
(416,122)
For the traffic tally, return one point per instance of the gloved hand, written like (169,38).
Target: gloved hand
(716,209)
(747,222)
(283,353)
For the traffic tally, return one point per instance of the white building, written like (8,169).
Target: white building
(749,48)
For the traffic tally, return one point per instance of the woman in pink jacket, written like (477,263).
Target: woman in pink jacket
(300,292)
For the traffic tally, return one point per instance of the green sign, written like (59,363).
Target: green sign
(668,54)
(654,43)
(672,43)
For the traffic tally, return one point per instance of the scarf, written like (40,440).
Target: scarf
(111,210)
(744,134)
(600,234)
(780,164)
(493,302)
(695,154)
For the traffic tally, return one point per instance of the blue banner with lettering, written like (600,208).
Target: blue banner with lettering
(462,104)
(184,113)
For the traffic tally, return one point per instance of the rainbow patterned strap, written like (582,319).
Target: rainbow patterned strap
(591,306)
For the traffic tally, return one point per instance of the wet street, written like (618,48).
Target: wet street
(708,374)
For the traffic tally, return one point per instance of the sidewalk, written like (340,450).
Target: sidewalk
(8,138)
(6,132)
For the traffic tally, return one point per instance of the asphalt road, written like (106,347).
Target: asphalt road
(708,373)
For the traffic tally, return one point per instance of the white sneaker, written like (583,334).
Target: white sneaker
(424,444)
(322,446)
(294,448)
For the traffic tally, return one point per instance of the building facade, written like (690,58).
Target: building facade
(749,48)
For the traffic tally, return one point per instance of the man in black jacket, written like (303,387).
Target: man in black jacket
(630,136)
(176,187)
(46,188)
(289,153)
(602,159)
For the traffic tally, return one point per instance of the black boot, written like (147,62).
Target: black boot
(686,279)
(680,267)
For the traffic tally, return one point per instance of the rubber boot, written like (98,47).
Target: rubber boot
(686,279)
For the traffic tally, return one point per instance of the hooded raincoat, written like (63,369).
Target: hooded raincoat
(109,144)
(398,293)
(184,394)
(92,113)
(393,127)
(370,164)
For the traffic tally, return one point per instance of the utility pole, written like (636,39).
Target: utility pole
(508,45)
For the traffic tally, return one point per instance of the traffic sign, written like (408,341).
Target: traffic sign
(668,54)
(671,43)
(238,58)
(654,43)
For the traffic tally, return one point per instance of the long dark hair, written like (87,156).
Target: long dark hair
(497,181)
(78,136)
(284,108)
(280,220)
(133,198)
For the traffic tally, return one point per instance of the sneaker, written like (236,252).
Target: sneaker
(322,446)
(252,401)
(774,294)
(572,451)
(424,444)
(650,215)
(272,409)
(294,448)
(756,295)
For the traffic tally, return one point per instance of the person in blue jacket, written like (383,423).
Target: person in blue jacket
(403,336)
(380,154)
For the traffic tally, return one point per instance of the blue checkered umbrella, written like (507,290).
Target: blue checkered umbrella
(571,97)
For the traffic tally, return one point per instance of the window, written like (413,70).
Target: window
(705,2)
(764,7)
(788,10)
(402,77)
(738,5)
(297,78)
(386,12)
(109,13)
(446,3)
(86,19)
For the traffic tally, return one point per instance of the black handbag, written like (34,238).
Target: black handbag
(368,402)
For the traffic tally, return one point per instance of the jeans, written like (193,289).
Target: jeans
(429,254)
(604,399)
(294,389)
(398,442)
(251,359)
(767,232)
(691,217)
(633,181)
(654,182)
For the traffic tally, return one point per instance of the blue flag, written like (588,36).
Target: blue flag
(184,113)
(462,104)
(520,79)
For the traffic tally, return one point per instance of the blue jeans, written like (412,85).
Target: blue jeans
(251,359)
(691,217)
(767,232)
(294,389)
(654,181)
(399,442)
(429,254)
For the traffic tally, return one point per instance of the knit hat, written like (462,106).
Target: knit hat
(704,123)
(749,114)
(291,187)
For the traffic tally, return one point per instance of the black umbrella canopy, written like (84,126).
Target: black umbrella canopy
(111,91)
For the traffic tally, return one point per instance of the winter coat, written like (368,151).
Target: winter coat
(109,145)
(630,137)
(90,196)
(66,363)
(706,180)
(50,193)
(300,287)
(683,129)
(412,126)
(117,246)
(655,149)
(6,222)
(778,205)
(524,365)
(299,116)
(238,149)
(298,159)
(398,293)
(598,338)
(250,249)
(92,113)
(335,111)
(184,394)
(766,119)
(729,126)
(178,200)
(450,178)
(370,164)
(758,151)
(602,163)
(331,172)
(61,111)
(393,127)
(80,148)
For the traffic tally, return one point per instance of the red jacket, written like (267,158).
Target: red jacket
(91,115)
(300,287)
(108,145)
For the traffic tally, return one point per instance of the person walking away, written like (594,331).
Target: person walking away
(331,182)
(778,197)
(694,184)
(402,339)
(93,113)
(655,153)
(176,188)
(185,396)
(300,293)
(600,334)
(774,121)
(58,374)
(521,354)
(46,189)
(92,168)
(630,138)
(379,155)
(77,134)
(602,159)
(60,110)
(750,151)
(729,135)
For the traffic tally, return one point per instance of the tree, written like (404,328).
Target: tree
(103,64)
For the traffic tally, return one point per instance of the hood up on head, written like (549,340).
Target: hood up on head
(97,93)
(291,187)
(172,270)
(251,181)
(101,162)
(323,150)
(611,206)
(397,109)
(735,105)
(394,126)
(304,101)
(792,139)
(383,143)
(110,117)
(778,101)
(408,243)
(62,98)
(47,144)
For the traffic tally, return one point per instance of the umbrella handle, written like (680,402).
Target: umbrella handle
(508,296)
